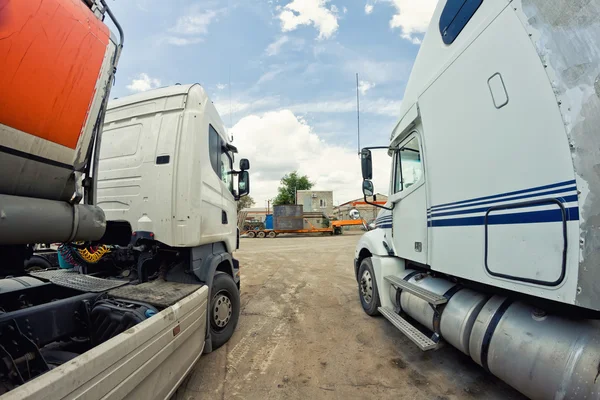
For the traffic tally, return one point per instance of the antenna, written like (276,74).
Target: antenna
(357,114)
(229,78)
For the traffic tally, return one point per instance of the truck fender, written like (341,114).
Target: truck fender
(371,244)
(385,263)
(205,262)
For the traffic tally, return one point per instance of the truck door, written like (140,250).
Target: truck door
(224,217)
(229,214)
(213,214)
(408,195)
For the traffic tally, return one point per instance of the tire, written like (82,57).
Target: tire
(367,288)
(261,234)
(251,234)
(272,234)
(36,263)
(224,293)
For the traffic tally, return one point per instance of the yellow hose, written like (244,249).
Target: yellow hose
(93,257)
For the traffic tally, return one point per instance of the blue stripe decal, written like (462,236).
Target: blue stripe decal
(566,199)
(385,226)
(530,217)
(503,195)
(527,196)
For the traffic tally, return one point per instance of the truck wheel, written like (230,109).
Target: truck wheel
(272,234)
(251,234)
(261,234)
(224,309)
(36,263)
(367,288)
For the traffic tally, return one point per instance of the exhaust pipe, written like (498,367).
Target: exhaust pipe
(543,356)
(25,220)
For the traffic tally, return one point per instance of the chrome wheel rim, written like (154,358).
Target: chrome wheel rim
(366,286)
(222,310)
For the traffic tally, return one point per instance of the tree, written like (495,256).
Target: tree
(245,202)
(290,183)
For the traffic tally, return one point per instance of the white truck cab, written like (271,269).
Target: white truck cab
(487,239)
(166,165)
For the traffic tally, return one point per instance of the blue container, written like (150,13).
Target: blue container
(269,221)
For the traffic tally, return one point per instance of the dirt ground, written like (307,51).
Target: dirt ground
(303,335)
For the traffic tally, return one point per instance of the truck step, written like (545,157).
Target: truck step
(430,297)
(418,337)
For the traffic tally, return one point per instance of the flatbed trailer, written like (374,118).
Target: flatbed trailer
(334,229)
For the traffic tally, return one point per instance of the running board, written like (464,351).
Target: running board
(418,337)
(430,297)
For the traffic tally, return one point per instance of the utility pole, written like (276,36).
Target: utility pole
(357,114)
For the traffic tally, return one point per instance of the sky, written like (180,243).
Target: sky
(282,74)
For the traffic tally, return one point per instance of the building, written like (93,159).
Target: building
(367,211)
(313,201)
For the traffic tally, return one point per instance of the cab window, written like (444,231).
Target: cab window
(220,159)
(408,169)
(455,16)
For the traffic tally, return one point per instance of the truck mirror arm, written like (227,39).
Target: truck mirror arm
(378,205)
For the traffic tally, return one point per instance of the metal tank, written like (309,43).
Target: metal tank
(50,117)
(454,320)
(543,356)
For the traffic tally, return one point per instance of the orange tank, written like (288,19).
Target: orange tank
(55,67)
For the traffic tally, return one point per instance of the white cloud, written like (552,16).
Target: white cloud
(191,27)
(310,12)
(368,8)
(334,9)
(221,86)
(345,10)
(412,17)
(379,72)
(279,142)
(380,106)
(238,105)
(269,75)
(182,41)
(142,83)
(275,47)
(364,87)
(194,23)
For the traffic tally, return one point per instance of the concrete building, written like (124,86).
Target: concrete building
(367,211)
(316,201)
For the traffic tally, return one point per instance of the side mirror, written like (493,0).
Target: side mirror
(366,163)
(368,189)
(243,183)
(244,164)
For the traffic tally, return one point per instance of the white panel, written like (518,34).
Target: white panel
(120,142)
(532,251)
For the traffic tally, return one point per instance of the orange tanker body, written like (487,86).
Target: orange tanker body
(57,62)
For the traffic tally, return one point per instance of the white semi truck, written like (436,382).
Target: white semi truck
(147,216)
(490,240)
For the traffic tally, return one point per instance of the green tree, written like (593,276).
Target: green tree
(245,202)
(290,183)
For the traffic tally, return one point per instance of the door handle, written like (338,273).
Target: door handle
(224,218)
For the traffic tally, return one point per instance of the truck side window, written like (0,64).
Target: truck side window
(220,159)
(408,168)
(214,149)
(455,16)
(226,167)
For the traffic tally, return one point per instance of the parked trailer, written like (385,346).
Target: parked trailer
(334,229)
